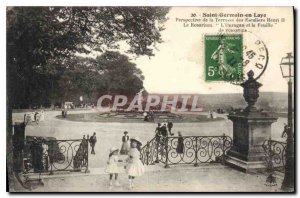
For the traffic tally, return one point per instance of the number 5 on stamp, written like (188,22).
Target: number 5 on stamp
(223,57)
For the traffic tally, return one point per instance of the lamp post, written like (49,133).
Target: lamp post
(287,69)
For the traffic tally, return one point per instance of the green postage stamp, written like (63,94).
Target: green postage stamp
(223,57)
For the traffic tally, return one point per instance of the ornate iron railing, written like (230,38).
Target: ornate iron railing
(275,154)
(56,155)
(152,153)
(186,150)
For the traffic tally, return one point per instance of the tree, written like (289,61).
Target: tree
(37,35)
(109,73)
(120,76)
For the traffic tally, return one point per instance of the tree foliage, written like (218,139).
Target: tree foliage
(110,73)
(41,40)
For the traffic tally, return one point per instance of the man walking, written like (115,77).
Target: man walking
(170,126)
(93,141)
(158,133)
(164,132)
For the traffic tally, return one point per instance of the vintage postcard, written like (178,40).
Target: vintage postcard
(150,99)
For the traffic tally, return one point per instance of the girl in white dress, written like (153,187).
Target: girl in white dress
(135,167)
(112,166)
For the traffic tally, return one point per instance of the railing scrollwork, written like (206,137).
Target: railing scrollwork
(186,150)
(275,152)
(56,155)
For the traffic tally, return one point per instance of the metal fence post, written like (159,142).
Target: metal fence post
(51,155)
(157,150)
(271,180)
(223,149)
(87,157)
(196,153)
(147,153)
(167,154)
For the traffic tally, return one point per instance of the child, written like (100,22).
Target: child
(112,166)
(135,167)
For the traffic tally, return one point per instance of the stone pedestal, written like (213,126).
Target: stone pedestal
(250,130)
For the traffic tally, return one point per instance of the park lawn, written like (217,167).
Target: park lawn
(98,117)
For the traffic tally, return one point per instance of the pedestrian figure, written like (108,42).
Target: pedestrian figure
(125,144)
(134,167)
(112,166)
(164,134)
(158,133)
(42,116)
(151,116)
(180,145)
(170,126)
(35,115)
(285,131)
(145,114)
(84,145)
(28,118)
(211,115)
(93,141)
(85,150)
(63,113)
(164,131)
(65,107)
(37,155)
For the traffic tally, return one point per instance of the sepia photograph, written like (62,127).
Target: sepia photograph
(150,99)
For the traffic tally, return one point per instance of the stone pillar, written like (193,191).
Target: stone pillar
(18,146)
(250,128)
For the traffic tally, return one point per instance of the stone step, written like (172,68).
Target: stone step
(150,168)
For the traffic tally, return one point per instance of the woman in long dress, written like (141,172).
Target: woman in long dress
(125,144)
(180,145)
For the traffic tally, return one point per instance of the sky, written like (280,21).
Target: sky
(178,65)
